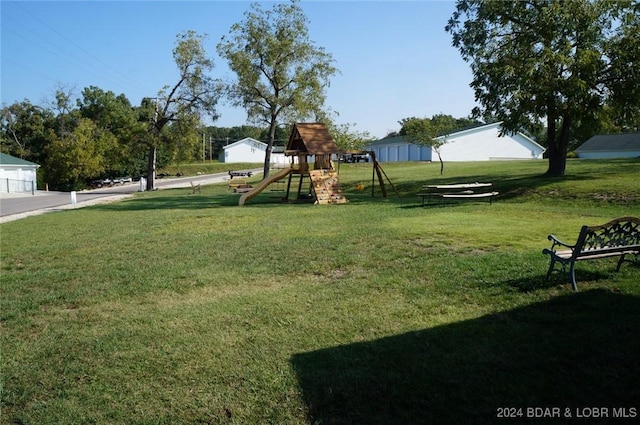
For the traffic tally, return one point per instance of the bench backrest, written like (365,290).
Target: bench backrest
(620,232)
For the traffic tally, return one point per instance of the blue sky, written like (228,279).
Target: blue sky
(395,58)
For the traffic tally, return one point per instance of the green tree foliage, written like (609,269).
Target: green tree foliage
(183,140)
(25,130)
(553,60)
(240,132)
(115,114)
(623,79)
(281,74)
(433,132)
(194,93)
(108,111)
(78,156)
(348,138)
(66,115)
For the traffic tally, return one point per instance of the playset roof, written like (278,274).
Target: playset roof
(312,138)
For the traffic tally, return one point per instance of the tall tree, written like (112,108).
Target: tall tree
(554,60)
(281,74)
(194,93)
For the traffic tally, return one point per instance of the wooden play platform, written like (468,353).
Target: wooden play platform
(309,149)
(327,187)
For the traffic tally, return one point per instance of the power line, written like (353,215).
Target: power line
(116,71)
(77,57)
(6,59)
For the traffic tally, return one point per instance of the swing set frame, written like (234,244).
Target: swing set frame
(377,171)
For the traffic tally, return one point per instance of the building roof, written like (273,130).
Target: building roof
(6,159)
(494,125)
(457,133)
(389,141)
(244,141)
(313,138)
(611,142)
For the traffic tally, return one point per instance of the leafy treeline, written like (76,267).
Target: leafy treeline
(102,135)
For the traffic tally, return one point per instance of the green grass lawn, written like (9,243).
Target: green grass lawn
(180,308)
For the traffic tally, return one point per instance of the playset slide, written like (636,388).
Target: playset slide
(263,184)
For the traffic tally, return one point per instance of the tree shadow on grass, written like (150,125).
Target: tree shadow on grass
(183,202)
(573,352)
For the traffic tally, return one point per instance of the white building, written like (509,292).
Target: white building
(252,150)
(245,150)
(624,145)
(483,143)
(17,175)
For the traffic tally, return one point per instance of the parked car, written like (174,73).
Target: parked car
(101,182)
(355,157)
(122,180)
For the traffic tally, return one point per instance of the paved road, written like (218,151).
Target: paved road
(14,206)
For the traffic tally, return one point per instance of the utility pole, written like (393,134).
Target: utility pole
(210,149)
(203,147)
(153,149)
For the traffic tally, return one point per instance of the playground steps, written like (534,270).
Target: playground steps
(327,187)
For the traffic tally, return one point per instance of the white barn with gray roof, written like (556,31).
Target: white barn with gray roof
(624,145)
(482,143)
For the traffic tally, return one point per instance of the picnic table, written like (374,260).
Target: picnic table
(457,186)
(457,190)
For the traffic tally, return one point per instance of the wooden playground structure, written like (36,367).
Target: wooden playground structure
(310,149)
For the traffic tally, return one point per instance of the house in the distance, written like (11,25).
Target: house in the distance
(625,145)
(482,143)
(252,150)
(245,150)
(17,175)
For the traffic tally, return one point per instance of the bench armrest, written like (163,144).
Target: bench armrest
(558,242)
